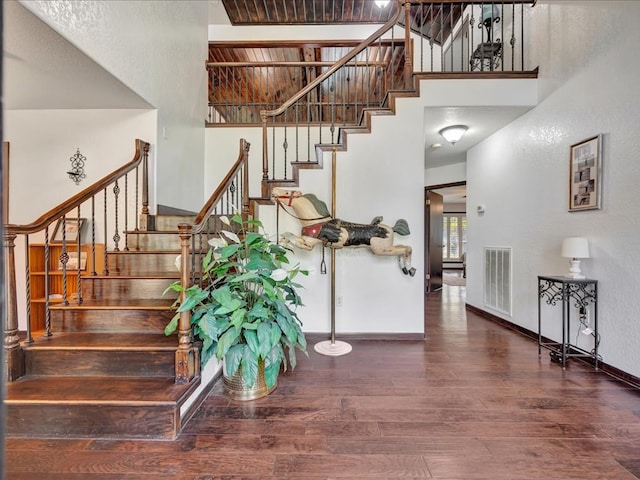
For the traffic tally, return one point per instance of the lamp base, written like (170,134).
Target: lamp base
(334,349)
(574,269)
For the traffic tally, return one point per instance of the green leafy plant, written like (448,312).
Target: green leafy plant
(244,310)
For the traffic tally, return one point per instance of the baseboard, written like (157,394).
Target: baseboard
(318,337)
(614,372)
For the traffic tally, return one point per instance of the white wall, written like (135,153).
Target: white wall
(39,160)
(158,50)
(375,295)
(456,172)
(588,80)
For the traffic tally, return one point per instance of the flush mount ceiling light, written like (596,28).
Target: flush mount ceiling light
(382,3)
(453,133)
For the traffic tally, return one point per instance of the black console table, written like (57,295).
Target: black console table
(581,294)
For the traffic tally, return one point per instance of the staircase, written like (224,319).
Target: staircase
(108,370)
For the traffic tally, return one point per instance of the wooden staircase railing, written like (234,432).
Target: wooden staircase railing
(231,197)
(119,196)
(321,100)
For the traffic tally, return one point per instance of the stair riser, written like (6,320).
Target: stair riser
(112,321)
(166,223)
(161,262)
(100,362)
(118,288)
(92,421)
(171,222)
(154,241)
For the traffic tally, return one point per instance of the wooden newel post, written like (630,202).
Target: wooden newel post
(144,213)
(14,356)
(187,355)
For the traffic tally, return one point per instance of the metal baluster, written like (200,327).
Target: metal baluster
(297,132)
(441,37)
(29,338)
(431,42)
(472,22)
(513,8)
(64,258)
(462,7)
(47,279)
(332,96)
(273,147)
(451,11)
(79,253)
(126,211)
(116,235)
(93,236)
(308,127)
(137,194)
(106,233)
(285,144)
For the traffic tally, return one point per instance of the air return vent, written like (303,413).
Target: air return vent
(497,278)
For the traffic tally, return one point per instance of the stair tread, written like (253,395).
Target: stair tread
(104,341)
(144,252)
(136,273)
(95,390)
(119,304)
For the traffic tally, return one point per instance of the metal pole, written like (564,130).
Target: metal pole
(332,347)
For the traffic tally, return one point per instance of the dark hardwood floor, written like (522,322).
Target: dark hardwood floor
(473,401)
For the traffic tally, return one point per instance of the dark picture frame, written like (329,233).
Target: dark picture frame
(72,227)
(585,174)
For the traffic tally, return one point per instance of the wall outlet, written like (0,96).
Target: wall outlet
(339,300)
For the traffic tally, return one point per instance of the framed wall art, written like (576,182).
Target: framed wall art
(585,174)
(72,228)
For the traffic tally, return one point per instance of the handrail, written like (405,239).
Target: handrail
(205,211)
(14,364)
(142,148)
(344,60)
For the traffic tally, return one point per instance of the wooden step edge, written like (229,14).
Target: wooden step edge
(101,348)
(126,403)
(144,252)
(166,305)
(135,276)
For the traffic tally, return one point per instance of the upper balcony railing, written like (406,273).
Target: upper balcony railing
(304,104)
(455,37)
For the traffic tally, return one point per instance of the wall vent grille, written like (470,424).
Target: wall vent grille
(497,279)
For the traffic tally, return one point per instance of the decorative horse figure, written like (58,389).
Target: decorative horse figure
(320,228)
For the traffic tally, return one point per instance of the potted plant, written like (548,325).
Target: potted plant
(244,309)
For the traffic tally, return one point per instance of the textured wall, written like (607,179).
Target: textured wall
(158,50)
(588,81)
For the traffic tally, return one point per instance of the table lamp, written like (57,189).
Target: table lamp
(575,248)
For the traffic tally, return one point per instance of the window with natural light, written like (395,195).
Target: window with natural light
(454,236)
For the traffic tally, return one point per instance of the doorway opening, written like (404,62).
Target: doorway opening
(445,232)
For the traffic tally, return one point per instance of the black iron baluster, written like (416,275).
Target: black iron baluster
(116,235)
(47,279)
(93,236)
(79,254)
(126,211)
(64,258)
(106,234)
(137,195)
(29,338)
